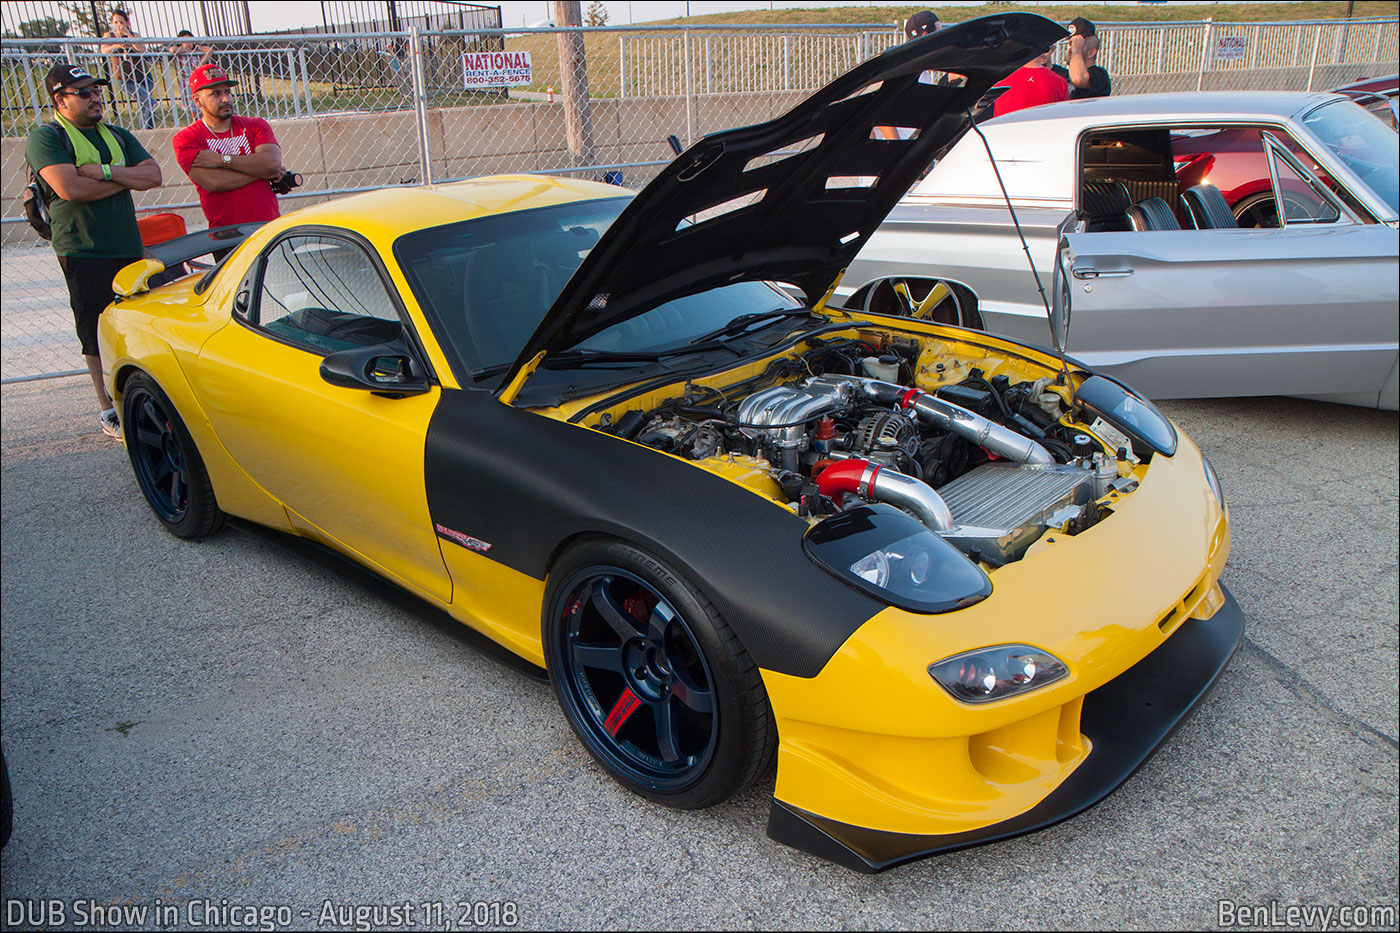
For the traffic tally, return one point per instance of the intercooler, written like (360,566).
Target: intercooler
(1001,508)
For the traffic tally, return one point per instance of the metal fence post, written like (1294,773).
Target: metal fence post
(622,66)
(1317,40)
(709,66)
(1376,52)
(175,90)
(689,91)
(305,79)
(34,99)
(787,63)
(420,104)
(1205,50)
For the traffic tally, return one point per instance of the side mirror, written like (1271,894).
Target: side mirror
(387,369)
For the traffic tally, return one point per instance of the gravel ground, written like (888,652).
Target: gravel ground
(225,734)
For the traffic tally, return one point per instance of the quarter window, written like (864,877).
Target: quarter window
(324,294)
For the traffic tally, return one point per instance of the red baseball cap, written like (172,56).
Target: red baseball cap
(209,76)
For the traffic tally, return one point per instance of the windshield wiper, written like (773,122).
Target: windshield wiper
(746,322)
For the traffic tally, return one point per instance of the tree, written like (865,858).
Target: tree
(83,13)
(597,14)
(46,28)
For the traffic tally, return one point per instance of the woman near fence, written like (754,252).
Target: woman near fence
(128,67)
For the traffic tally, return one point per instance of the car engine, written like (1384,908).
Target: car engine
(986,464)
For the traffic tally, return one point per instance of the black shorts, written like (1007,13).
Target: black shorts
(89,292)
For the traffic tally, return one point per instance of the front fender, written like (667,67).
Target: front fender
(518,484)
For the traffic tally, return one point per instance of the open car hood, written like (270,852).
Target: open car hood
(810,170)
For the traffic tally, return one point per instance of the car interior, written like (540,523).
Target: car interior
(1160,178)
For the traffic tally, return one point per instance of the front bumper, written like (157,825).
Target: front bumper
(1127,720)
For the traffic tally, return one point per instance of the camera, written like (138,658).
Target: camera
(288,180)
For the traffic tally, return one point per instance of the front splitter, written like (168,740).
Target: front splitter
(1127,720)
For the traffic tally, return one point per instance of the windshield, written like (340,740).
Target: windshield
(679,322)
(486,284)
(1364,143)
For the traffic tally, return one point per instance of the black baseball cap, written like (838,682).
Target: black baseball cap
(920,24)
(1080,26)
(61,76)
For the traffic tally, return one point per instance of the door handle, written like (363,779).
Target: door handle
(1087,273)
(1082,272)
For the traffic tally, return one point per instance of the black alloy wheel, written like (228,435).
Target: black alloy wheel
(166,462)
(651,678)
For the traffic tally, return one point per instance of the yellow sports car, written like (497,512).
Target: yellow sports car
(958,588)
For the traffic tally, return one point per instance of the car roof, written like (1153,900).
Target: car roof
(384,215)
(1034,147)
(1212,105)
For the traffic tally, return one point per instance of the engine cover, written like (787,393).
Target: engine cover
(1003,508)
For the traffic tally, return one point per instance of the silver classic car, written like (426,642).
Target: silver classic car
(1217,244)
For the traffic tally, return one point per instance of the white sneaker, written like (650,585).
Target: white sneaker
(110,425)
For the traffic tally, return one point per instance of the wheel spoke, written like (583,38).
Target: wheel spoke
(177,489)
(666,741)
(602,657)
(694,696)
(147,437)
(621,711)
(661,616)
(612,612)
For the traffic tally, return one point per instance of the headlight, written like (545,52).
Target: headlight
(896,559)
(996,673)
(1213,480)
(1136,417)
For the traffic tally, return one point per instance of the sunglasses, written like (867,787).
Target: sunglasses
(87,93)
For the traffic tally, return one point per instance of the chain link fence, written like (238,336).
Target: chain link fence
(356,111)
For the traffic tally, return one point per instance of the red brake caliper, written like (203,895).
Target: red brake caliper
(622,710)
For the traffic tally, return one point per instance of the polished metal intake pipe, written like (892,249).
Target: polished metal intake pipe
(934,411)
(873,482)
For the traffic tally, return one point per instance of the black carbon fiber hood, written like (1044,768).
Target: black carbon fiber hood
(806,226)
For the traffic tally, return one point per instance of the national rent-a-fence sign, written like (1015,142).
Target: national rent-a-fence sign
(495,69)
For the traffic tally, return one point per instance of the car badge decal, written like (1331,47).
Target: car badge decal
(466,541)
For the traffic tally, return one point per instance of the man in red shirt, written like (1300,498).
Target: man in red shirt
(230,159)
(1031,85)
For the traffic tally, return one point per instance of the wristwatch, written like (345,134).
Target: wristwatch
(228,160)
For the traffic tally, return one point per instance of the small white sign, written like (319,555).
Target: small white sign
(495,69)
(1231,48)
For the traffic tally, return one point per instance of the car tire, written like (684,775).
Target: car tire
(1261,211)
(166,461)
(652,679)
(900,296)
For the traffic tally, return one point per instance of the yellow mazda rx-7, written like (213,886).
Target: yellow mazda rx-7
(955,587)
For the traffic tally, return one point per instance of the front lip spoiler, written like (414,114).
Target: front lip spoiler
(1127,719)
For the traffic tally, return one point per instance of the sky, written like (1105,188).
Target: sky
(279,14)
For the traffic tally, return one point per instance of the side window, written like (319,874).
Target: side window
(1303,202)
(324,294)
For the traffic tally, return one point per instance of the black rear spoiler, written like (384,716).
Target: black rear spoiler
(171,254)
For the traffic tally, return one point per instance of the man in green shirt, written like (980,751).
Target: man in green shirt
(88,170)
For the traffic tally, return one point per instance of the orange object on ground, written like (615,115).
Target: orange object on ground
(157,228)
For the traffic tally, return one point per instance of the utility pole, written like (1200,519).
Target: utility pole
(573,82)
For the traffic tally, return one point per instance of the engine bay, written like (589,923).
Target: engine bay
(985,455)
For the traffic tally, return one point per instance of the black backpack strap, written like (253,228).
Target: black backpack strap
(63,138)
